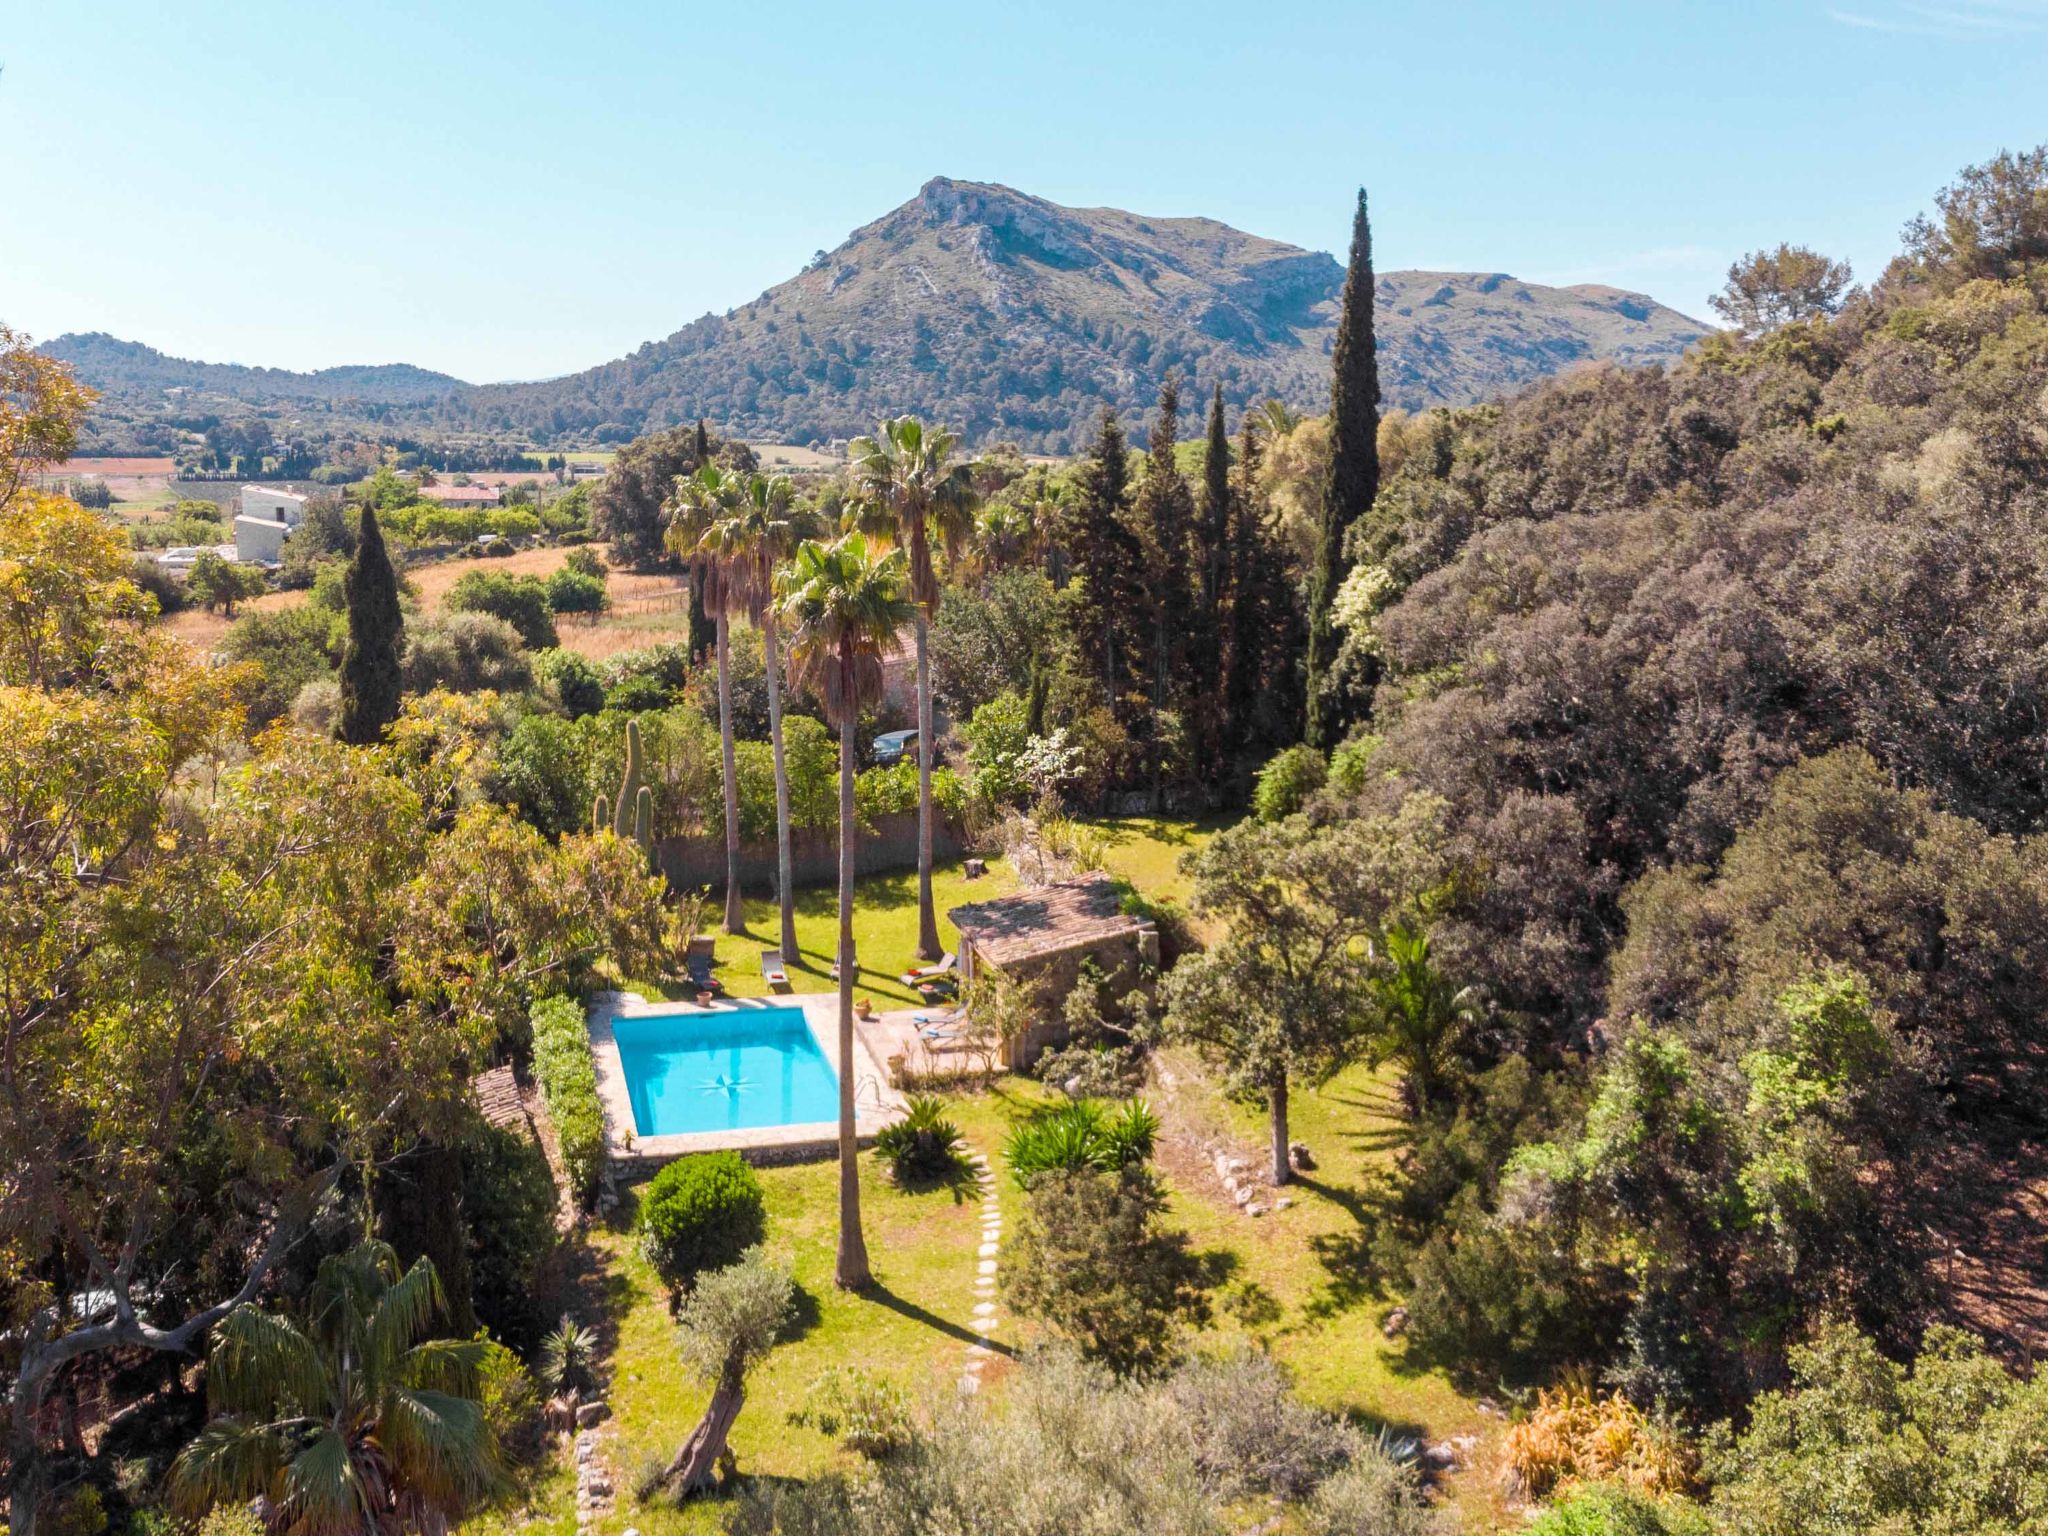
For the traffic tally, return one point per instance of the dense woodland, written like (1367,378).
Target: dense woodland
(1647,767)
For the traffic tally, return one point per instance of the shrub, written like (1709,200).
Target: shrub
(510,1403)
(1572,1436)
(521,601)
(1250,1434)
(701,1213)
(574,591)
(289,649)
(1608,1509)
(568,1082)
(1373,1496)
(1092,1262)
(1350,763)
(1081,1137)
(1286,782)
(584,561)
(465,653)
(867,1414)
(924,1145)
(573,681)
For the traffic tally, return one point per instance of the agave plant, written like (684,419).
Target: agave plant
(351,1421)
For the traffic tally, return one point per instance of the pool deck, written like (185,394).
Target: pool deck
(876,1102)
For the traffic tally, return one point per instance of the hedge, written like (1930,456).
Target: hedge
(568,1081)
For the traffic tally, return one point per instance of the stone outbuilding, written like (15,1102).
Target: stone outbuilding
(1042,936)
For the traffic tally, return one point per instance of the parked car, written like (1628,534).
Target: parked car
(891,746)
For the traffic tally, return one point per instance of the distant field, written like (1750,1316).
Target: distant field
(789,456)
(646,610)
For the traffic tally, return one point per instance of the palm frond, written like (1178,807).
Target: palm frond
(322,1492)
(445,1365)
(230,1461)
(260,1363)
(440,1445)
(401,1315)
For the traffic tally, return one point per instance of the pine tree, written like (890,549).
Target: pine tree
(1109,560)
(703,629)
(1353,480)
(370,682)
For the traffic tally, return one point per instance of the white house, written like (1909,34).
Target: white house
(267,515)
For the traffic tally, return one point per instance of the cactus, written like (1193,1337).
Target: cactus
(624,809)
(600,813)
(643,820)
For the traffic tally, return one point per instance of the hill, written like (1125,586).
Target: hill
(1006,315)
(128,368)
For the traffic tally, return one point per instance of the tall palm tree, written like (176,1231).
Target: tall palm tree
(702,501)
(750,544)
(846,604)
(351,1422)
(908,490)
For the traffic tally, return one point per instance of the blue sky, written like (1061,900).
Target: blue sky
(518,189)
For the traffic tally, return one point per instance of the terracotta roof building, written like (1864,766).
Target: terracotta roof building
(1045,934)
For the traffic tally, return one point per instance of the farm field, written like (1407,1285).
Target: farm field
(646,609)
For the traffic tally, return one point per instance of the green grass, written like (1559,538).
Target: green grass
(912,1328)
(884,933)
(1146,850)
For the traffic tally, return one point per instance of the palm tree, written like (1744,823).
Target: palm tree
(907,491)
(846,604)
(749,545)
(353,1422)
(702,502)
(1420,1015)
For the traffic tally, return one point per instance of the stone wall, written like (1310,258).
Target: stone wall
(699,859)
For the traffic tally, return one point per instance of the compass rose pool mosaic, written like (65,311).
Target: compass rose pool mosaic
(695,1071)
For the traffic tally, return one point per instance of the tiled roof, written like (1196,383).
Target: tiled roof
(1049,920)
(497,1097)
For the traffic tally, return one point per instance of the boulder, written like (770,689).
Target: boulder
(1396,1323)
(1299,1155)
(591,1413)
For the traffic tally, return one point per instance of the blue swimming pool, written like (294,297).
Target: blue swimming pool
(727,1070)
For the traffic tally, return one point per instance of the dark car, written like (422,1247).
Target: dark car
(891,747)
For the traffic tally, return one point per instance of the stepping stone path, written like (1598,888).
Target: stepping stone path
(593,1480)
(980,1351)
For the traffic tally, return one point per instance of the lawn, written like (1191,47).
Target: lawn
(884,933)
(912,1328)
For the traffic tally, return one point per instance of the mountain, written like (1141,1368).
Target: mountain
(1010,317)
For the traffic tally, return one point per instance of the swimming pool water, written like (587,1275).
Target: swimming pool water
(731,1069)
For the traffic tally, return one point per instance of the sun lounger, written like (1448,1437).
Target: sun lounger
(948,963)
(947,1019)
(698,969)
(773,971)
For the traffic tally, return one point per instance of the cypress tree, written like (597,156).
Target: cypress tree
(1212,561)
(1242,623)
(1353,479)
(703,628)
(1108,559)
(1166,514)
(370,683)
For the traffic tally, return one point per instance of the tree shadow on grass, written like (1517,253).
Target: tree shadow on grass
(882,1296)
(804,1314)
(957,1178)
